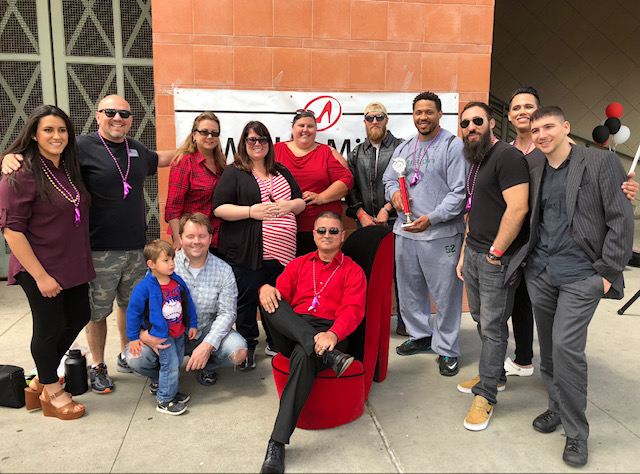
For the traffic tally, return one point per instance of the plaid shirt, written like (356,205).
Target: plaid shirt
(191,186)
(215,294)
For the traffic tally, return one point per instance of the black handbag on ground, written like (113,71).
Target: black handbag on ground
(12,385)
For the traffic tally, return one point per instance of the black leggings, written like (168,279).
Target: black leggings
(56,323)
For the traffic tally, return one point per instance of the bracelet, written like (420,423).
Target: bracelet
(383,207)
(361,214)
(496,251)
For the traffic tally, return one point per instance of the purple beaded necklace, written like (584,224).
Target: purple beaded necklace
(127,186)
(64,191)
(416,178)
(470,188)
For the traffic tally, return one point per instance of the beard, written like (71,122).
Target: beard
(376,135)
(476,150)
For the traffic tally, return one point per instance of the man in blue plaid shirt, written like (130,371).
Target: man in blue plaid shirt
(213,288)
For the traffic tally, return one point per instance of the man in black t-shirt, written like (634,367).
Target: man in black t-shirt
(113,168)
(497,204)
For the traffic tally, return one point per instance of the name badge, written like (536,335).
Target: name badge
(133,153)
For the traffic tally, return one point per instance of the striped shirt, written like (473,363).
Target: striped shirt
(279,234)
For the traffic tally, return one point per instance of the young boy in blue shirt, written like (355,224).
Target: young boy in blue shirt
(161,303)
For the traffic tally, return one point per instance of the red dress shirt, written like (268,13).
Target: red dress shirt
(315,172)
(191,187)
(343,298)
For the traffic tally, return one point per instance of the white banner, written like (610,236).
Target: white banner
(339,114)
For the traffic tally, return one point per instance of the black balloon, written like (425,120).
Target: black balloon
(613,124)
(600,134)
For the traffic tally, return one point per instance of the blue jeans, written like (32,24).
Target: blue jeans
(148,364)
(490,305)
(170,360)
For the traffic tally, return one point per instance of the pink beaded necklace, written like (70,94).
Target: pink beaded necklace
(64,191)
(127,186)
(316,293)
(416,178)
(515,143)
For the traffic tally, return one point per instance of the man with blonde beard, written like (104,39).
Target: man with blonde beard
(367,163)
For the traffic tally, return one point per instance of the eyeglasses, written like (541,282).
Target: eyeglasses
(302,111)
(476,121)
(378,117)
(323,230)
(253,140)
(206,133)
(125,114)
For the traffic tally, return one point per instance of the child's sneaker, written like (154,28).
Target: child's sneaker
(153,388)
(181,398)
(171,408)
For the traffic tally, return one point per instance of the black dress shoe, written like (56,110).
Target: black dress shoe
(547,422)
(339,361)
(274,460)
(575,452)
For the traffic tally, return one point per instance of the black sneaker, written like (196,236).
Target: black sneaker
(448,366)
(413,347)
(153,388)
(122,366)
(171,408)
(100,380)
(181,398)
(575,452)
(207,379)
(250,362)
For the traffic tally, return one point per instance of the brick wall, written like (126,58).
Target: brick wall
(328,45)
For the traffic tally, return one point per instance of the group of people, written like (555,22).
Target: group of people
(265,232)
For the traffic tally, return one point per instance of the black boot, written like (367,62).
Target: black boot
(274,460)
(339,361)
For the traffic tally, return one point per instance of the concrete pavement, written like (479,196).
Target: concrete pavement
(413,420)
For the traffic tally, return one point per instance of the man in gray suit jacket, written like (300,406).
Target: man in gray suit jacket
(581,236)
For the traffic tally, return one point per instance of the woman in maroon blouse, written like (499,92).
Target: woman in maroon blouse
(45,220)
(196,169)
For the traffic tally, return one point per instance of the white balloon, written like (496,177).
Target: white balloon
(622,136)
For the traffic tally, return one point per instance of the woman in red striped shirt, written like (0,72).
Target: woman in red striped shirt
(258,200)
(194,174)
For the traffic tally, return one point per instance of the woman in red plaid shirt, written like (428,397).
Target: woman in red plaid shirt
(195,172)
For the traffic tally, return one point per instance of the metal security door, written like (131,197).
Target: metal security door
(72,53)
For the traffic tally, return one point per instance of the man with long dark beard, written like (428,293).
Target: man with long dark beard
(497,203)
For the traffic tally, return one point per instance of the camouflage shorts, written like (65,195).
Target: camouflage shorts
(117,272)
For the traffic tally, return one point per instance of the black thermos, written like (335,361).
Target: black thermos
(75,373)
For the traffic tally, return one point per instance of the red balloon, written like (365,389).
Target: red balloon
(614,109)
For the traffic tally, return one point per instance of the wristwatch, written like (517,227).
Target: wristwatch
(492,257)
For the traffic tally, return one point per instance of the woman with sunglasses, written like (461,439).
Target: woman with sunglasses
(195,172)
(258,200)
(321,172)
(44,210)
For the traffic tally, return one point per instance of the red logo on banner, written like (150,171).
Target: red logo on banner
(327,110)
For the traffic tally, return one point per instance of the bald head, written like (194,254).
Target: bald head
(113,128)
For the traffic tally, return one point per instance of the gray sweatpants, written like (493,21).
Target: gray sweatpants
(424,268)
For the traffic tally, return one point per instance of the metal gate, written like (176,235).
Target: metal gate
(72,53)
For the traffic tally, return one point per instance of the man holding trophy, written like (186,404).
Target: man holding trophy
(429,171)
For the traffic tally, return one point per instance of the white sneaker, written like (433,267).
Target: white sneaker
(511,368)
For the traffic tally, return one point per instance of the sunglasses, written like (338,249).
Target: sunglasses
(323,230)
(125,114)
(476,121)
(302,111)
(206,133)
(253,140)
(378,117)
